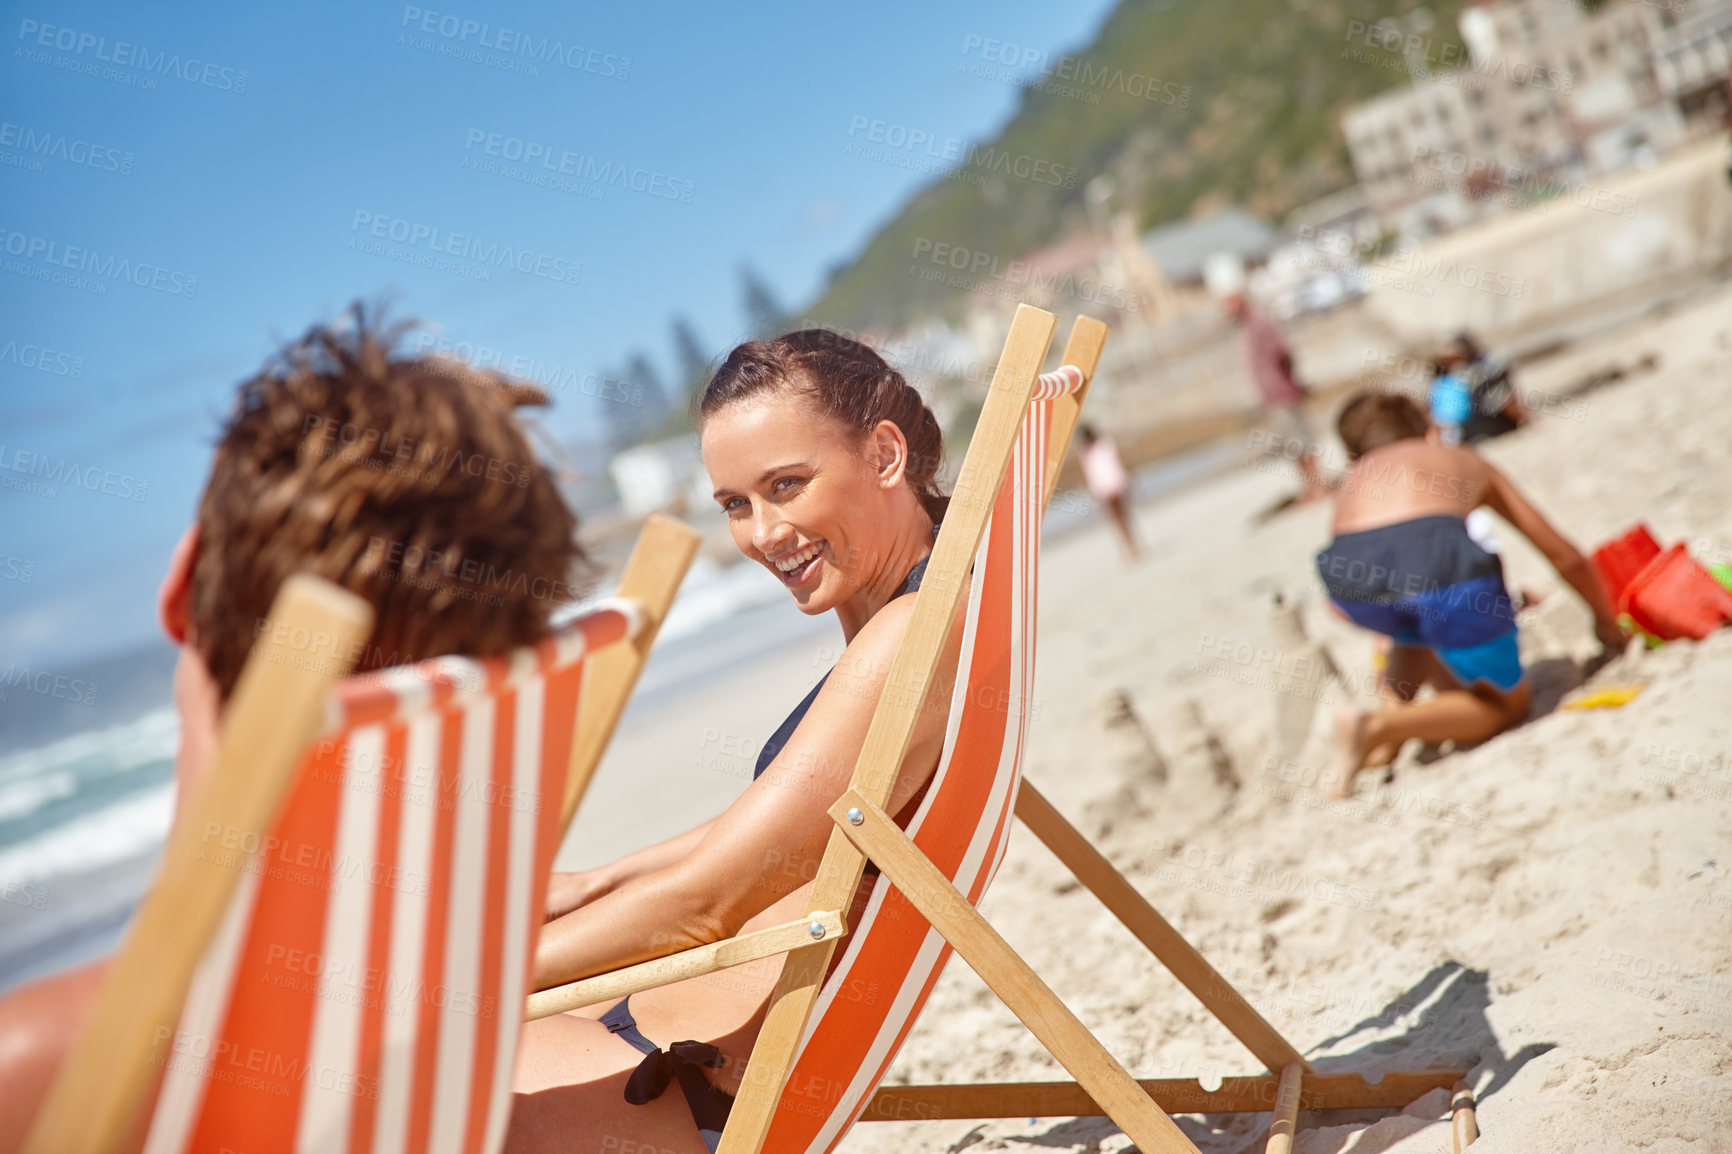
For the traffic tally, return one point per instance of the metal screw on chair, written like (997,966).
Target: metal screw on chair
(855,817)
(816,929)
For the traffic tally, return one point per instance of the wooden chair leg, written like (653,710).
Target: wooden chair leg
(1256,1094)
(1463,1124)
(1285,1122)
(1002,968)
(1155,932)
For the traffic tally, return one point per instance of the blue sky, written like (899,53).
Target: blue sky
(183,189)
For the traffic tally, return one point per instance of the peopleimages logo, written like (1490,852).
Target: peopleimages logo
(47,684)
(972,269)
(582,166)
(58,146)
(510,42)
(92,263)
(1077,73)
(40,359)
(552,377)
(924,151)
(1451,56)
(429,242)
(64,472)
(122,54)
(1412,261)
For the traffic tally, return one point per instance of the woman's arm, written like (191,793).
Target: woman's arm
(1507,502)
(768,842)
(568,891)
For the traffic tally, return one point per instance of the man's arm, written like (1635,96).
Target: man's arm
(1506,501)
(38,1024)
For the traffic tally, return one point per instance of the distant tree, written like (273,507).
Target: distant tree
(693,363)
(765,315)
(647,388)
(625,423)
(634,402)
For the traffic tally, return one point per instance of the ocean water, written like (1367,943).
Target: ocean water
(83,817)
(81,822)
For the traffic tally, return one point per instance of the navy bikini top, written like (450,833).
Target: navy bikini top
(785,731)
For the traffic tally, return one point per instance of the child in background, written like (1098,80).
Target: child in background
(1403,563)
(1451,406)
(1472,394)
(1107,481)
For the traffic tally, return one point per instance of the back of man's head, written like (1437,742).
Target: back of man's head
(406,480)
(1373,418)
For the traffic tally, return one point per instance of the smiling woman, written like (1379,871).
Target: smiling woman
(823,459)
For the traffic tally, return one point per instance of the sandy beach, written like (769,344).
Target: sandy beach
(1550,909)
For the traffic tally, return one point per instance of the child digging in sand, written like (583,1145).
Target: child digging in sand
(1404,564)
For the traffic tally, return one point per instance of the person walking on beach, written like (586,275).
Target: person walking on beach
(1108,483)
(1269,363)
(1404,563)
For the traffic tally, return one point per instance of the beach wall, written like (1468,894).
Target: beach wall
(1624,238)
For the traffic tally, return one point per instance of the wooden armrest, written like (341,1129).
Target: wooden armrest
(736,951)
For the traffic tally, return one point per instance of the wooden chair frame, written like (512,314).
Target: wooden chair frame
(276,710)
(865,832)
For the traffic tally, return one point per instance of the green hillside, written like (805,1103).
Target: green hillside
(1186,104)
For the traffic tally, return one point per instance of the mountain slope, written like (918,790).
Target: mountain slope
(1183,103)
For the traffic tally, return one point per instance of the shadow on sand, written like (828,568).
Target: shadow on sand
(1440,1021)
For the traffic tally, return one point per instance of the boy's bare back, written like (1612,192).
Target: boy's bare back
(1407,479)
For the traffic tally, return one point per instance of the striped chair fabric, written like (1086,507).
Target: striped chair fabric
(893,956)
(365,992)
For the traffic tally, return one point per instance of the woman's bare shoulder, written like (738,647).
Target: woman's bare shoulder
(867,658)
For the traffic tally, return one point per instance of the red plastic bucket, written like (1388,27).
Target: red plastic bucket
(1619,560)
(1675,597)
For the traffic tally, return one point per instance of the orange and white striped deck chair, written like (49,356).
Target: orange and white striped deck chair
(829,1039)
(833,1030)
(893,956)
(363,989)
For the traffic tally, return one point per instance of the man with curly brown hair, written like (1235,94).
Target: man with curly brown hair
(408,481)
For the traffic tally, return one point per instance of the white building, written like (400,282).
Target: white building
(1549,96)
(660,475)
(1693,63)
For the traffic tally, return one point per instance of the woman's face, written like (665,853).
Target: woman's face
(812,501)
